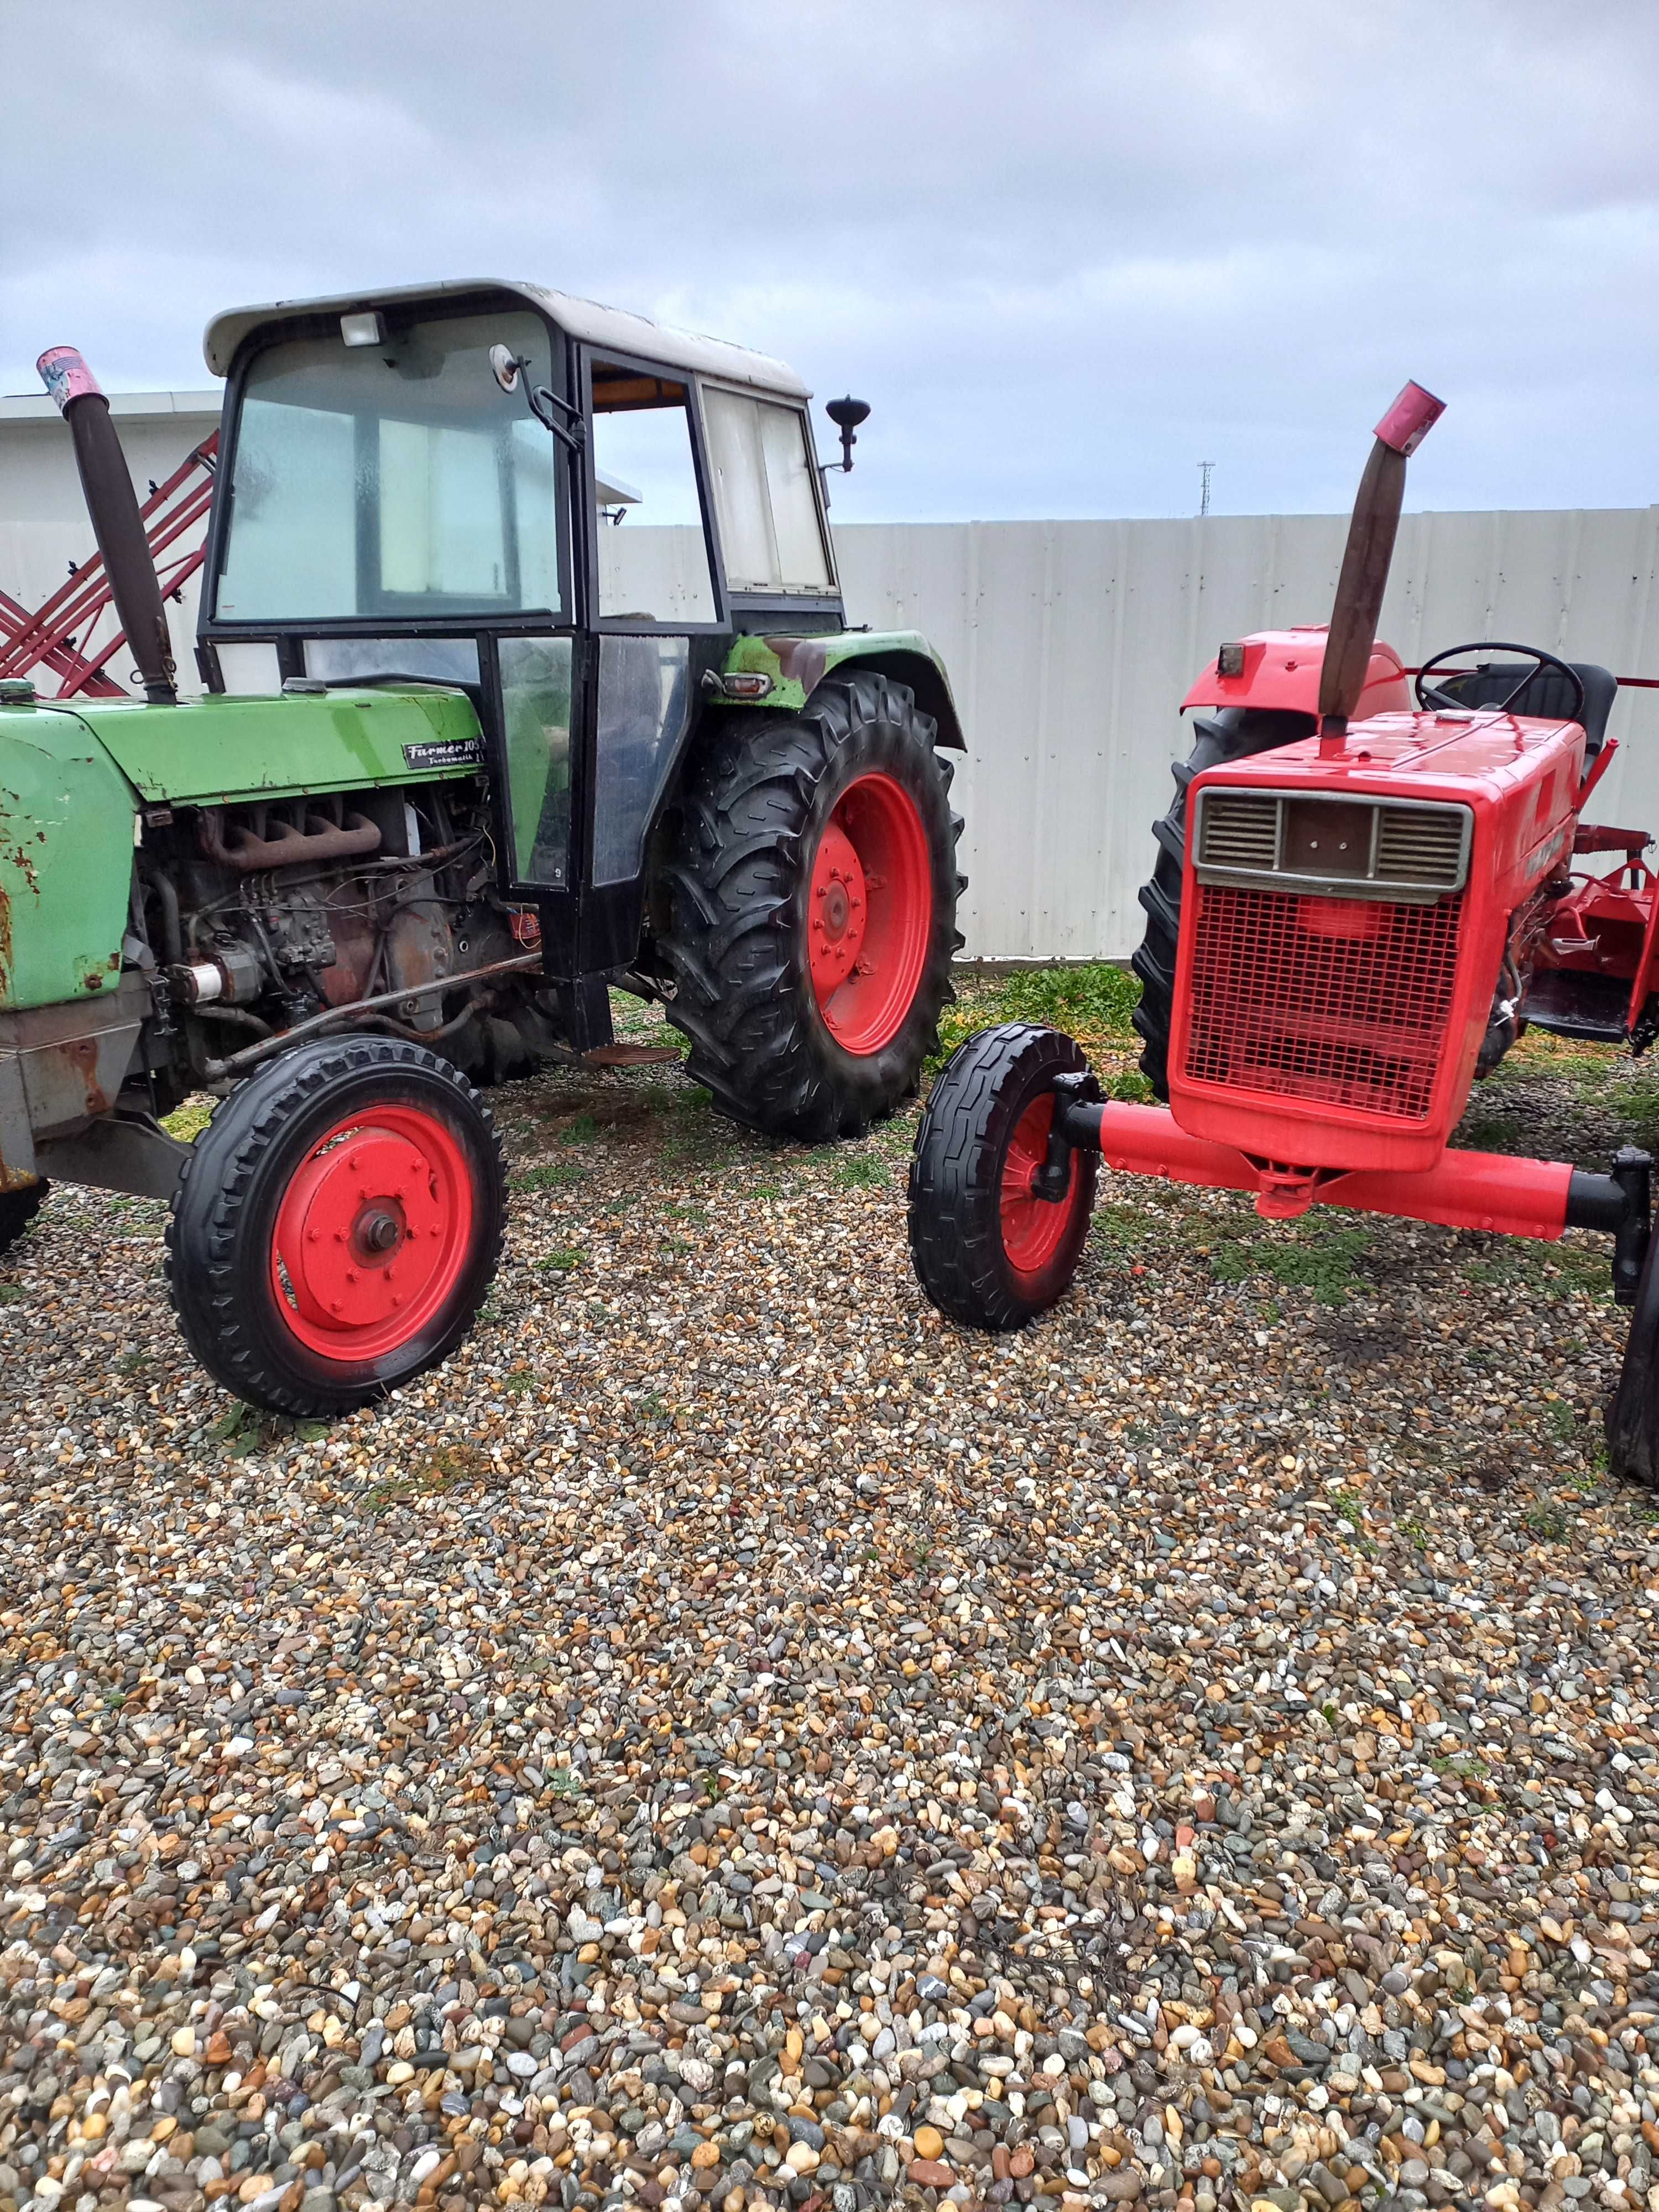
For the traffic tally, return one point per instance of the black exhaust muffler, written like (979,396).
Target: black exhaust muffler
(116,522)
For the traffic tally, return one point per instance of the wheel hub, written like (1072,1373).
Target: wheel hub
(869,913)
(363,1231)
(839,906)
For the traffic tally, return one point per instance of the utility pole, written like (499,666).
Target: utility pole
(1204,469)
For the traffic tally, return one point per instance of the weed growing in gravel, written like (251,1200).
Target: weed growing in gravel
(12,1294)
(1546,1521)
(1557,1271)
(547,1176)
(1415,1535)
(863,1172)
(1319,1260)
(519,1383)
(449,1468)
(564,1261)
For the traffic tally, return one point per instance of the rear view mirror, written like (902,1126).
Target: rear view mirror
(505,365)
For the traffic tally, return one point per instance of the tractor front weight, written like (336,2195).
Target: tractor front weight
(1488,1191)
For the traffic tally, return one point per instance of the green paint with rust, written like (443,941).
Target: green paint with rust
(797,665)
(218,748)
(72,778)
(66,828)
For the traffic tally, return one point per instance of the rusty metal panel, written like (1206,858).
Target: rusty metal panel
(72,1059)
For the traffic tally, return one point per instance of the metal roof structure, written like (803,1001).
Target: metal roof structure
(612,328)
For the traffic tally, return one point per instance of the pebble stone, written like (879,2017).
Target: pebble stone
(731,1738)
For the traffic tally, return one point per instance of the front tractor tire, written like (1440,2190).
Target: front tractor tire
(337,1224)
(987,1249)
(814,890)
(1632,1417)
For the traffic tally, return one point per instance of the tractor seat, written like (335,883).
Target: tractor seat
(1548,694)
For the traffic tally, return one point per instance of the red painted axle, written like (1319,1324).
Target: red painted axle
(1465,1190)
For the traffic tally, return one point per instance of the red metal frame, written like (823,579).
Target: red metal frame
(1463,1190)
(57,636)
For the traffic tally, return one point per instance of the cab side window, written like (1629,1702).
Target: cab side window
(653,551)
(771,533)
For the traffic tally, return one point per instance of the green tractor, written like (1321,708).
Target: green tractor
(527,676)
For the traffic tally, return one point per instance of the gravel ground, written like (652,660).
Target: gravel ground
(732,1736)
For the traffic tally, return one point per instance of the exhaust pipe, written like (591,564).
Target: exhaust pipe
(116,522)
(1365,560)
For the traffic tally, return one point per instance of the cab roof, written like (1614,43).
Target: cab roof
(584,319)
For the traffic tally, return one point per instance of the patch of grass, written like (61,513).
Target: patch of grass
(1346,1507)
(12,1294)
(547,1175)
(1556,1271)
(1130,1085)
(1488,1129)
(1091,1002)
(1321,1260)
(519,1382)
(186,1123)
(564,1261)
(1127,1226)
(863,1172)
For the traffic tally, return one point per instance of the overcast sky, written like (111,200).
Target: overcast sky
(1066,251)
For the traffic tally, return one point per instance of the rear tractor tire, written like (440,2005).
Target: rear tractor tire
(1232,733)
(337,1224)
(17,1210)
(987,1250)
(1632,1418)
(814,892)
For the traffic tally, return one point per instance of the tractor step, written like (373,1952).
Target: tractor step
(1573,1004)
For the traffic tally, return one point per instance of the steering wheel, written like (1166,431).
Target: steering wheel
(1430,694)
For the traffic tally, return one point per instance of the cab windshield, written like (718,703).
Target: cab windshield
(393,479)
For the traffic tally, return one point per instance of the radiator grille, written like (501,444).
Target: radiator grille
(1420,844)
(1237,830)
(1342,1002)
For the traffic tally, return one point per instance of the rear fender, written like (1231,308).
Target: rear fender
(1281,669)
(797,665)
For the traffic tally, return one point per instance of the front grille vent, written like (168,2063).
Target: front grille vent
(1421,844)
(1239,831)
(1340,1003)
(1347,846)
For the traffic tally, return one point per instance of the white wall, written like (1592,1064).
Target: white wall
(43,518)
(1071,644)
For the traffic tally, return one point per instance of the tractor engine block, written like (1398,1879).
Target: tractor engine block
(251,918)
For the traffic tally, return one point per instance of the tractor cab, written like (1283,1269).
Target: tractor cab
(565,510)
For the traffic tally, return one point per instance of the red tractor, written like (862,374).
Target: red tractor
(1364,893)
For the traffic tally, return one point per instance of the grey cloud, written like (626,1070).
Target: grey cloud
(1067,250)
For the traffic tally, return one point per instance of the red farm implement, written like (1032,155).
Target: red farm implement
(67,636)
(1365,890)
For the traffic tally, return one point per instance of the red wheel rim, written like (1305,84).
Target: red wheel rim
(1034,1229)
(870,912)
(372,1233)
